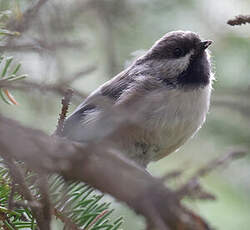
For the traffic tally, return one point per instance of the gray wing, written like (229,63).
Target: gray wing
(73,128)
(92,120)
(97,116)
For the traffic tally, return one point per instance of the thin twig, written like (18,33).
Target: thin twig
(223,160)
(96,219)
(193,183)
(27,17)
(57,89)
(66,220)
(239,20)
(39,45)
(77,75)
(64,111)
(172,175)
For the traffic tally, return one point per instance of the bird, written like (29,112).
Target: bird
(154,106)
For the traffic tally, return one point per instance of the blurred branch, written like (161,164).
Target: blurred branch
(236,91)
(223,160)
(45,209)
(77,75)
(103,9)
(108,43)
(57,89)
(235,99)
(192,188)
(233,105)
(239,20)
(193,183)
(39,45)
(23,23)
(172,175)
(97,165)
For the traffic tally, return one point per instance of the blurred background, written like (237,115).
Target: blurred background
(84,43)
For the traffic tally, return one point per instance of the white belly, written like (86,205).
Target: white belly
(177,118)
(163,124)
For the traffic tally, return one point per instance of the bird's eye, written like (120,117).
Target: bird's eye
(178,52)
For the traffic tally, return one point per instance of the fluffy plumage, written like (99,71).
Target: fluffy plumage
(153,107)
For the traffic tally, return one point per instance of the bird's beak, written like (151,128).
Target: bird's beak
(205,44)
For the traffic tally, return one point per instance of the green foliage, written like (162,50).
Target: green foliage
(9,73)
(77,202)
(4,18)
(81,203)
(19,218)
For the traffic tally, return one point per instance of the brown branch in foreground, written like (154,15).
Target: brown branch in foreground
(96,164)
(11,196)
(239,20)
(44,199)
(65,106)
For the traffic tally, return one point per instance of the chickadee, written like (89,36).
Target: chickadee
(154,106)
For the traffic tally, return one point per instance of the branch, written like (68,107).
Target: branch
(64,111)
(242,108)
(64,219)
(193,185)
(27,17)
(85,71)
(239,20)
(57,89)
(96,164)
(40,45)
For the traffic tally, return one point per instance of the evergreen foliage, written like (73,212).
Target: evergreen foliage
(77,203)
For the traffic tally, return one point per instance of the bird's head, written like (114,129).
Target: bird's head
(180,59)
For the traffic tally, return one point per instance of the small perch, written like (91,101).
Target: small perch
(64,111)
(239,20)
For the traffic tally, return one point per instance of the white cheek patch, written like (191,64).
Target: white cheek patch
(174,67)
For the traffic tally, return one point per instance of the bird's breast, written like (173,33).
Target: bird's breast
(177,118)
(161,122)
